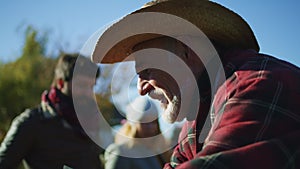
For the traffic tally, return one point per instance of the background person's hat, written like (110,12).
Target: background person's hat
(217,22)
(141,110)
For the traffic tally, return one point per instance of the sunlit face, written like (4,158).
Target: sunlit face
(160,85)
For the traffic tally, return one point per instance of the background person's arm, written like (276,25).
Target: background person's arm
(17,142)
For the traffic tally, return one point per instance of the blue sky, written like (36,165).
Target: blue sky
(70,23)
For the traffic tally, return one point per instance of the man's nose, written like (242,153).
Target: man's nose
(144,86)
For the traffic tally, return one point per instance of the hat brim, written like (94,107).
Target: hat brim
(215,21)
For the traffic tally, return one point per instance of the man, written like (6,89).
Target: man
(50,135)
(254,110)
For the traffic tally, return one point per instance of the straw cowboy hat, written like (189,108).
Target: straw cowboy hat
(215,21)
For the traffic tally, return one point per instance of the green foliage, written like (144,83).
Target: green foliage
(34,45)
(23,81)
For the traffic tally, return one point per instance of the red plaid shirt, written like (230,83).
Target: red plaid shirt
(256,121)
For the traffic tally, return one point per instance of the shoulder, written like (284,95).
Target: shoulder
(23,127)
(119,150)
(25,123)
(28,116)
(115,149)
(114,159)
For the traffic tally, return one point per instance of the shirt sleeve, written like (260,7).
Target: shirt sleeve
(176,159)
(271,154)
(181,152)
(238,144)
(17,141)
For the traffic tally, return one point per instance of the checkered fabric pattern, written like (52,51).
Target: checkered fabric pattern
(256,114)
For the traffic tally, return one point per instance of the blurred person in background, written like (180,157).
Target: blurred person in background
(135,143)
(50,136)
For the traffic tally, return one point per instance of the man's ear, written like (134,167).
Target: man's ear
(60,83)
